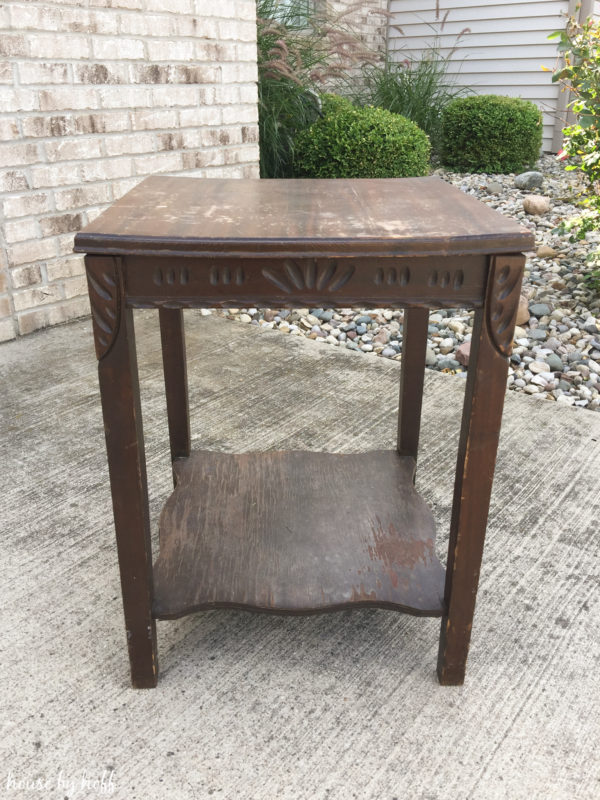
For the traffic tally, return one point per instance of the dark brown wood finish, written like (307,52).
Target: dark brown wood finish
(404,216)
(482,416)
(291,532)
(296,532)
(412,375)
(106,298)
(172,336)
(119,390)
(193,282)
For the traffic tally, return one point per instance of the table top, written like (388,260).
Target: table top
(419,216)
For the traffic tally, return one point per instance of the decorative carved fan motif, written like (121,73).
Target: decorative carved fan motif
(103,283)
(322,274)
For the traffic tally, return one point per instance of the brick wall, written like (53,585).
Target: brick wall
(95,95)
(367,18)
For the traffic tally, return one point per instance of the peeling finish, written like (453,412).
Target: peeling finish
(295,557)
(391,548)
(361,595)
(298,216)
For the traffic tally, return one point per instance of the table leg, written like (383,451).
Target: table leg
(119,390)
(414,347)
(174,364)
(484,399)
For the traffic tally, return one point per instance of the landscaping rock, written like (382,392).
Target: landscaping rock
(523,311)
(456,325)
(539,309)
(545,251)
(448,363)
(538,334)
(554,362)
(536,204)
(529,180)
(494,187)
(463,352)
(537,366)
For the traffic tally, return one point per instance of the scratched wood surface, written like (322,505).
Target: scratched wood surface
(426,216)
(296,532)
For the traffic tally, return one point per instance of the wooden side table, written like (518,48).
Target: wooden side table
(290,532)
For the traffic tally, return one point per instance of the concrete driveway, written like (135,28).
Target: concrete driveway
(318,708)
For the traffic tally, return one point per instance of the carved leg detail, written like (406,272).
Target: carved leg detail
(484,399)
(119,390)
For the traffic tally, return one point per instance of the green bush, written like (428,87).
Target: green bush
(490,133)
(419,89)
(368,142)
(301,47)
(334,103)
(580,76)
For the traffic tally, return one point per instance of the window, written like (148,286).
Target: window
(301,8)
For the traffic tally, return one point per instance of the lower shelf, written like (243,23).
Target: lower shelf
(296,532)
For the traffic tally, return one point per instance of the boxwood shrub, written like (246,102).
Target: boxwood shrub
(351,142)
(334,103)
(491,133)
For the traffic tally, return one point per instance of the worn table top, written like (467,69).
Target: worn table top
(420,216)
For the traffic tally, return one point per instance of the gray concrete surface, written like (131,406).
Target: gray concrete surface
(249,707)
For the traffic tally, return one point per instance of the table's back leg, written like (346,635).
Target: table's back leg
(414,348)
(482,414)
(175,370)
(119,390)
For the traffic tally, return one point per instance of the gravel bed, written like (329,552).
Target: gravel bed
(556,353)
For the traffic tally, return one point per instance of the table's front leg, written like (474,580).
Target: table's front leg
(482,414)
(119,390)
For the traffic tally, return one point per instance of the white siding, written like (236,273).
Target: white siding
(503,52)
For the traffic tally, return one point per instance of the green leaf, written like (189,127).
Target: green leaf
(559,74)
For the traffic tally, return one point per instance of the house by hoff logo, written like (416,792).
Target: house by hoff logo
(84,783)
